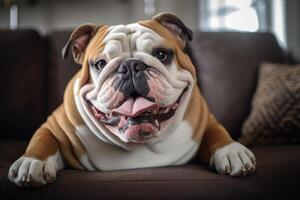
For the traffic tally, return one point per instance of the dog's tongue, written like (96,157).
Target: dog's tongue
(133,107)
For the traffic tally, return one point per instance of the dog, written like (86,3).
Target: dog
(135,103)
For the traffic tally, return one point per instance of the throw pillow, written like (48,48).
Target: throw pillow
(275,114)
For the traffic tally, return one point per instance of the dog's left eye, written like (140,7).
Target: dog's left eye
(100,64)
(163,55)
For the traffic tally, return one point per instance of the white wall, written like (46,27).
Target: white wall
(48,15)
(54,15)
(293,26)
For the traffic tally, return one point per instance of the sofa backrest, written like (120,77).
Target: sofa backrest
(22,83)
(35,75)
(60,70)
(228,65)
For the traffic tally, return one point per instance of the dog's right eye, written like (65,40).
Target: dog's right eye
(100,64)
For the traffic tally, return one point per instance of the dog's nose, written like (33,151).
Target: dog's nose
(131,78)
(131,65)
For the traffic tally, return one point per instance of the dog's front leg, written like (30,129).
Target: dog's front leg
(39,164)
(223,153)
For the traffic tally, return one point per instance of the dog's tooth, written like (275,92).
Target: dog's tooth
(94,110)
(123,118)
(156,123)
(167,110)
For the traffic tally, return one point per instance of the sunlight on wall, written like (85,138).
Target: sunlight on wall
(278,21)
(244,15)
(236,15)
(244,19)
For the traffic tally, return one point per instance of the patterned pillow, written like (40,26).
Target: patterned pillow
(275,114)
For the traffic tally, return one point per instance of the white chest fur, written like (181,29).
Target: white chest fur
(175,149)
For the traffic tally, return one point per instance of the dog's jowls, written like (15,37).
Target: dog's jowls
(134,103)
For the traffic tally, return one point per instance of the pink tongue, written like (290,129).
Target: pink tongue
(132,108)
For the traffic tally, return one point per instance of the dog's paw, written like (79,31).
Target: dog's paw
(32,172)
(233,159)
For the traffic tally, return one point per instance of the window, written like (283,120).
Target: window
(244,15)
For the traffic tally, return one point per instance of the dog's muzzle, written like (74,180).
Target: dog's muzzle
(137,118)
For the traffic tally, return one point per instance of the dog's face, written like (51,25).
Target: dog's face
(136,86)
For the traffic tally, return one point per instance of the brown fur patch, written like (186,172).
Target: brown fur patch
(42,145)
(214,138)
(94,48)
(50,138)
(65,145)
(197,114)
(69,130)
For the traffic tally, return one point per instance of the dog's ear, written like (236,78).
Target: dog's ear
(79,40)
(175,26)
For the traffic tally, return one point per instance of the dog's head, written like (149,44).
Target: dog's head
(136,80)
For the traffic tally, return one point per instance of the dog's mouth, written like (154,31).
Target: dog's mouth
(137,119)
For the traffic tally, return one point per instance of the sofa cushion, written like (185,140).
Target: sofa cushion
(275,112)
(22,83)
(277,177)
(227,71)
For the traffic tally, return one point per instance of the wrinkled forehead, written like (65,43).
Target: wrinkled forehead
(126,39)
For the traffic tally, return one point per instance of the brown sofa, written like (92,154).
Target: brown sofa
(33,77)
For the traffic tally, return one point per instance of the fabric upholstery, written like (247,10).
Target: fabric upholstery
(22,83)
(276,178)
(60,71)
(227,69)
(275,113)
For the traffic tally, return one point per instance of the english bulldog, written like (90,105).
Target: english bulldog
(135,103)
